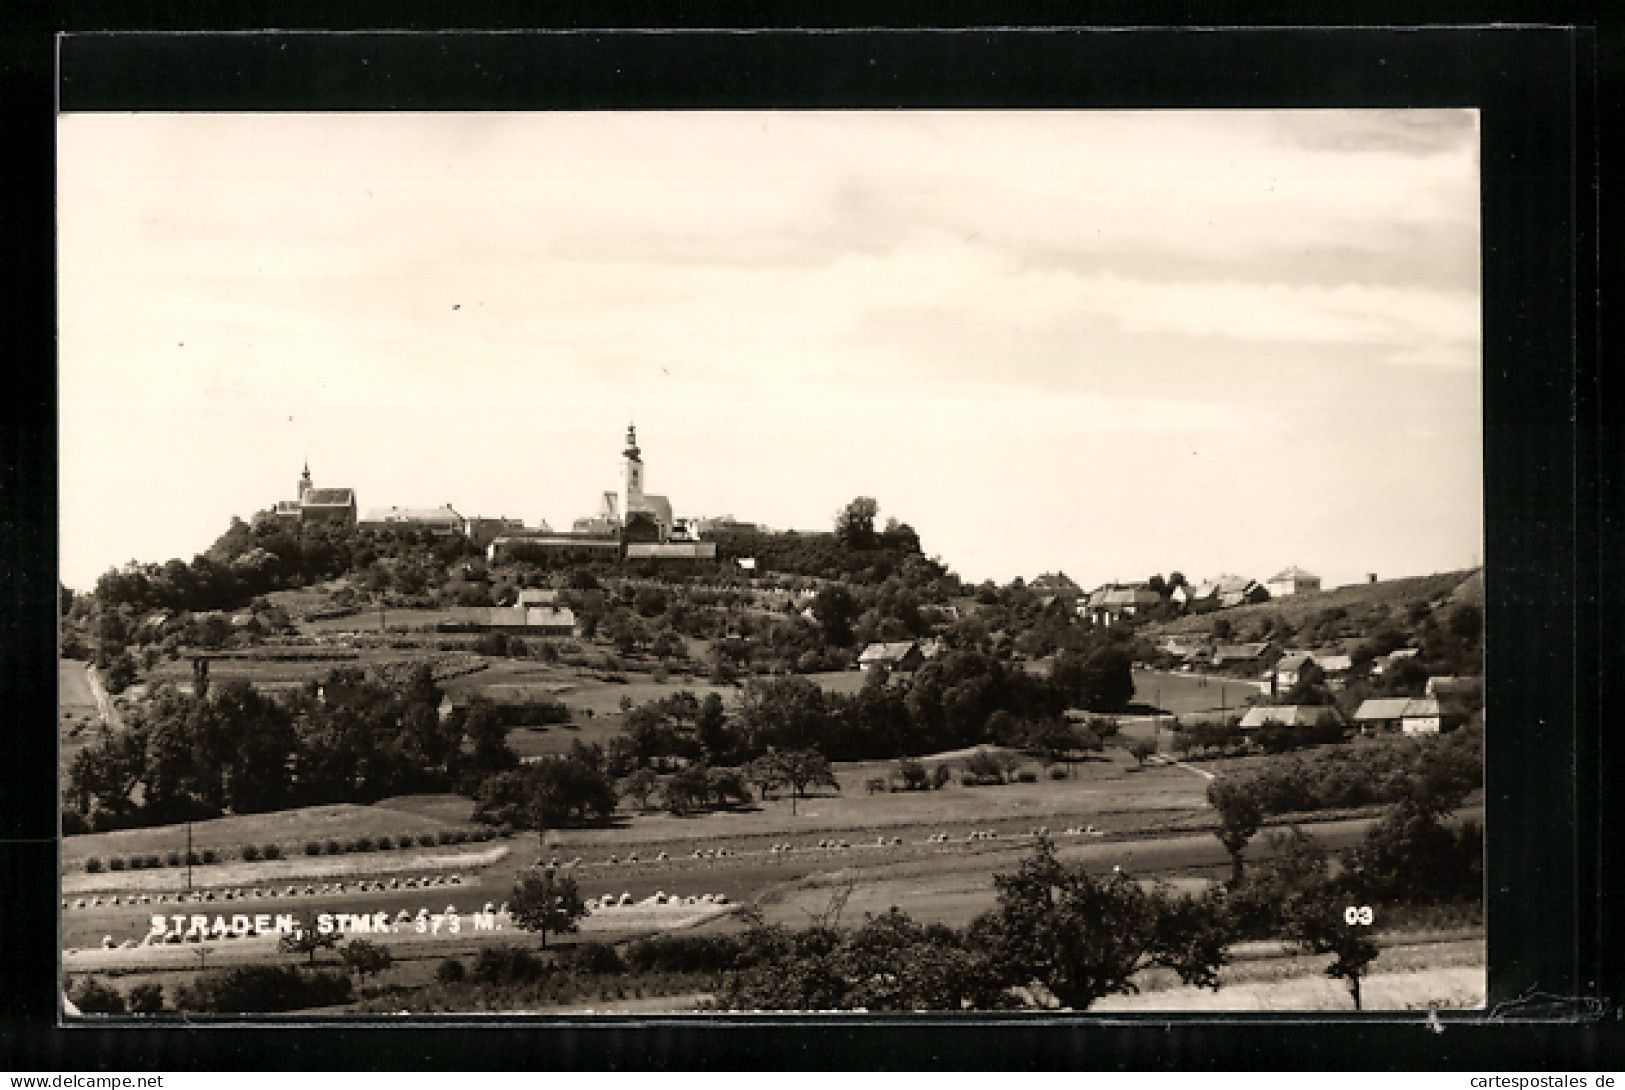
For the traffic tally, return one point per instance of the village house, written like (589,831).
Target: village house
(904,655)
(1225,592)
(1382,664)
(541,620)
(1110,603)
(1287,715)
(1238,655)
(1293,580)
(1382,713)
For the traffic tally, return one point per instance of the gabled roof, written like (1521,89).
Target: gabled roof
(1294,661)
(1424,708)
(1291,573)
(1334,664)
(1444,685)
(1382,707)
(328,497)
(1238,651)
(537,596)
(886,652)
(1286,715)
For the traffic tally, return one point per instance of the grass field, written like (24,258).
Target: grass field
(289,829)
(1195,696)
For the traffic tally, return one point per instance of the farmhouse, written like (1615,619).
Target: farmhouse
(1287,715)
(1238,654)
(1225,592)
(1293,580)
(531,620)
(904,655)
(1463,689)
(1380,666)
(1111,603)
(1381,713)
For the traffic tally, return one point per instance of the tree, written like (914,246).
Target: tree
(366,959)
(1321,924)
(569,790)
(546,901)
(308,940)
(855,523)
(640,785)
(1082,937)
(796,769)
(836,609)
(1140,749)
(1240,815)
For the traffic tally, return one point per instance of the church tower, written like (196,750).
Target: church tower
(632,471)
(304,483)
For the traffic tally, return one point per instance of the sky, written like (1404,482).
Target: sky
(1106,343)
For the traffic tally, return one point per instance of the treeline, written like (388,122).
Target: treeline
(967,698)
(232,749)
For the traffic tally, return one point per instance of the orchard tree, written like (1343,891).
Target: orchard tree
(836,609)
(1326,924)
(546,901)
(1140,749)
(307,939)
(1083,937)
(366,959)
(1240,816)
(797,769)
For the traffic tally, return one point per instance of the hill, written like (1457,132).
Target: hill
(1351,612)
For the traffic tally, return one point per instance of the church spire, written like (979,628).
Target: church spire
(631,452)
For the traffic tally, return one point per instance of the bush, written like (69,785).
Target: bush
(333,847)
(138,862)
(595,957)
(941,776)
(385,844)
(251,854)
(116,863)
(445,836)
(1026,775)
(685,954)
(93,865)
(313,848)
(249,989)
(94,996)
(271,851)
(146,998)
(1058,773)
(173,859)
(210,857)
(426,840)
(451,971)
(153,862)
(361,844)
(193,859)
(508,965)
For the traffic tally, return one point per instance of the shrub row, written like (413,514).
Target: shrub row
(95,864)
(253,853)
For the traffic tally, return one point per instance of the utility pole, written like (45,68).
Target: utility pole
(188,857)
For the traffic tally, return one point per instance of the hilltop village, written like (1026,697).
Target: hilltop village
(653,720)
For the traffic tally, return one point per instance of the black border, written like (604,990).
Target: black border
(1552,470)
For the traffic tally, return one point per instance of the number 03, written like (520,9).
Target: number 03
(1358,914)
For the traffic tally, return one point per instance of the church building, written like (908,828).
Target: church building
(317,504)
